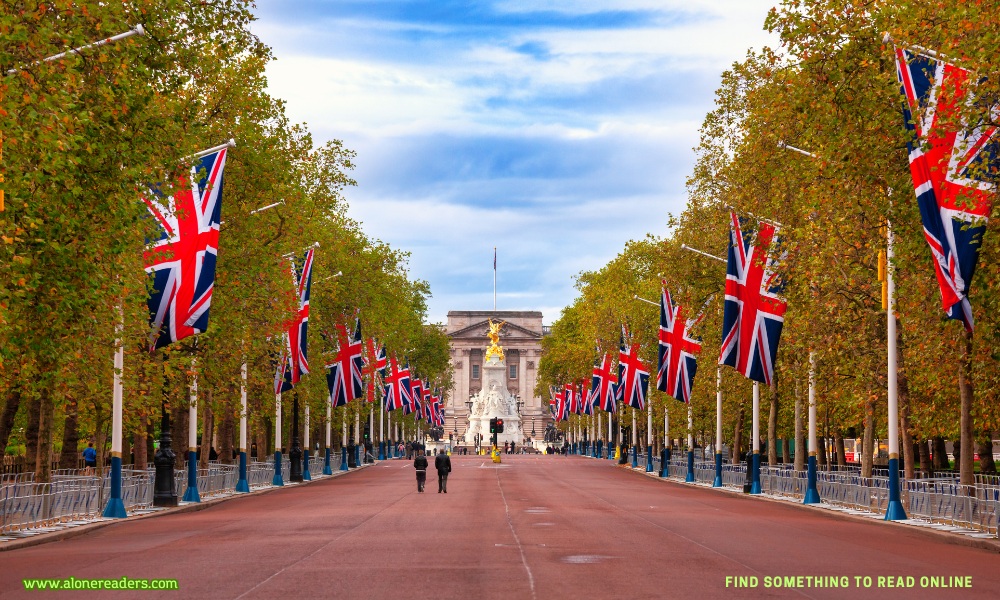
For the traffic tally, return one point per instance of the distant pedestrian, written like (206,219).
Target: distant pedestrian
(420,464)
(443,465)
(89,458)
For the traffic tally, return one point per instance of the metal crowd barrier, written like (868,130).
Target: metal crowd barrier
(73,496)
(939,500)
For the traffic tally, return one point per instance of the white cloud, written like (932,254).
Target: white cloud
(557,145)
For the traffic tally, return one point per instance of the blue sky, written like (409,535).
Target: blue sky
(556,130)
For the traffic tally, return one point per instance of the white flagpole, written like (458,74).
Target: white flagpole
(191,493)
(115,507)
(894,510)
(306,475)
(278,478)
(689,478)
(755,466)
(718,427)
(242,485)
(494,278)
(812,493)
(327,469)
(137,30)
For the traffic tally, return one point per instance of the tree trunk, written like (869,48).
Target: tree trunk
(821,451)
(800,433)
(43,458)
(905,437)
(786,450)
(736,452)
(207,429)
(226,434)
(179,427)
(986,464)
(69,458)
(772,426)
(31,433)
(903,401)
(841,450)
(940,454)
(101,441)
(966,466)
(924,450)
(868,441)
(139,456)
(11,404)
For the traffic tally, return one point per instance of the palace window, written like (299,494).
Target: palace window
(512,374)
(475,371)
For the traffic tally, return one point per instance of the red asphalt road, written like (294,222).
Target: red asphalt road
(536,527)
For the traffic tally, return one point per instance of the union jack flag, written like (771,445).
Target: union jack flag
(602,385)
(570,393)
(437,411)
(294,361)
(633,375)
(583,400)
(952,171)
(182,261)
(562,406)
(428,409)
(678,349)
(417,395)
(411,403)
(374,367)
(397,387)
(754,310)
(375,356)
(343,375)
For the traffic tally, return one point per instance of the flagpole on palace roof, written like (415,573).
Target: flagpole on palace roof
(494,278)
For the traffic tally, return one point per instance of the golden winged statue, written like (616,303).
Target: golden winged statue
(494,336)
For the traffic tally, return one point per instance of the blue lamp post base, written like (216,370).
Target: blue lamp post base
(115,508)
(191,493)
(278,480)
(242,486)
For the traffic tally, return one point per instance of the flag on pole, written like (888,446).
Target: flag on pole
(587,407)
(678,349)
(294,361)
(344,374)
(951,163)
(182,261)
(397,386)
(417,394)
(754,310)
(602,386)
(633,375)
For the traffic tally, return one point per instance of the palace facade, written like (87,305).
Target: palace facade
(521,340)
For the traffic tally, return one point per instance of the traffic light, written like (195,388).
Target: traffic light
(499,425)
(493,425)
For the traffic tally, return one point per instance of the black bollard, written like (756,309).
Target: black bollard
(163,460)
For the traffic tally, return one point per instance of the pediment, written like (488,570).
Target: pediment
(478,330)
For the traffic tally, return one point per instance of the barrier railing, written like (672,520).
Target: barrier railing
(73,496)
(938,500)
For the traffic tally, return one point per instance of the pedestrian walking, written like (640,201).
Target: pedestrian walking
(89,458)
(443,465)
(420,464)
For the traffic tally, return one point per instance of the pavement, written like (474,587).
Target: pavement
(533,527)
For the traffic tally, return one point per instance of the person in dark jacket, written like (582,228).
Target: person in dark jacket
(443,465)
(420,464)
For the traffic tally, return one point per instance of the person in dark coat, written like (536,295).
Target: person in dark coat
(443,465)
(420,464)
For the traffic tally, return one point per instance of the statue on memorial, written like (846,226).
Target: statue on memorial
(494,335)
